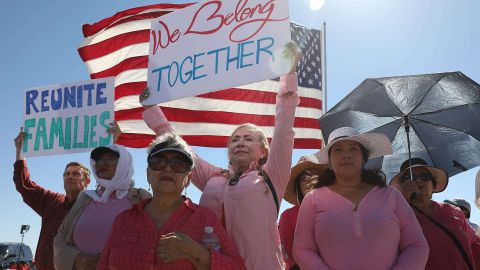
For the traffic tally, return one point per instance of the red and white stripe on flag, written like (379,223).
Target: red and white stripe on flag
(118,46)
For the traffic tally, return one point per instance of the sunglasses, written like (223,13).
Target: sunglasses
(107,161)
(424,177)
(178,166)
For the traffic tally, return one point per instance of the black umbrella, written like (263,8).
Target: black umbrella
(435,117)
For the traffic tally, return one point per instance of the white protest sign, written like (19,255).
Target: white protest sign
(68,118)
(214,45)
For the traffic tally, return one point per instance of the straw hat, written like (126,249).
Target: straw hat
(377,144)
(302,165)
(441,176)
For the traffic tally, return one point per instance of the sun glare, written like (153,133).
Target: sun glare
(316,4)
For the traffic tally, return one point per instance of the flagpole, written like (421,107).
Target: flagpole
(323,47)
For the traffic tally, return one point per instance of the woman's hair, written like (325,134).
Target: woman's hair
(261,136)
(369,176)
(298,184)
(85,171)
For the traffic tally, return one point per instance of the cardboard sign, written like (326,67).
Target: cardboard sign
(215,45)
(68,118)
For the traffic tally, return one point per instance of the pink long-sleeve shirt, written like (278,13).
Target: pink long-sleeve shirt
(248,208)
(382,232)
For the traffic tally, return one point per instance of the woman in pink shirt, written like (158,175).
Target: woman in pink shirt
(351,219)
(246,196)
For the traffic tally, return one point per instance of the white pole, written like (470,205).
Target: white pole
(323,47)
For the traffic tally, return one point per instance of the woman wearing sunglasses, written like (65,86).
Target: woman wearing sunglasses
(166,231)
(453,243)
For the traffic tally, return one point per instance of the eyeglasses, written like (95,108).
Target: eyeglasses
(107,161)
(424,177)
(178,166)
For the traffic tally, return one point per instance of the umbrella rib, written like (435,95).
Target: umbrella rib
(388,94)
(444,109)
(428,91)
(428,152)
(430,123)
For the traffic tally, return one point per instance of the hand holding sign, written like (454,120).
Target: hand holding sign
(19,142)
(144,96)
(292,51)
(115,130)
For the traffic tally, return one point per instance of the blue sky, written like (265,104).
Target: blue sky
(365,38)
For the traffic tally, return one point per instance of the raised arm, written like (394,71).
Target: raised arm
(281,147)
(33,195)
(203,171)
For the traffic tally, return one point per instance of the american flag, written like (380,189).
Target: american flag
(118,46)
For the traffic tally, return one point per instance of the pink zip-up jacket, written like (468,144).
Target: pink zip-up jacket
(248,209)
(380,233)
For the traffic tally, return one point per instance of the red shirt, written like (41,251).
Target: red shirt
(133,240)
(286,228)
(444,254)
(51,206)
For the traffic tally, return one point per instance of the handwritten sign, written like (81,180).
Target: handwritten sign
(214,45)
(68,118)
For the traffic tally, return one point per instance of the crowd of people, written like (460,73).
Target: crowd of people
(344,216)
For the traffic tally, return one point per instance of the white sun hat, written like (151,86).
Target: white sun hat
(377,144)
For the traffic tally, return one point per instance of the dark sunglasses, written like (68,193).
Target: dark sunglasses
(107,161)
(178,166)
(424,177)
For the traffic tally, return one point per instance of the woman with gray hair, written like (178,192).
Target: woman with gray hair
(166,231)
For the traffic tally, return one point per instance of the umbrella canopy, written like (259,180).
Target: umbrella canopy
(441,113)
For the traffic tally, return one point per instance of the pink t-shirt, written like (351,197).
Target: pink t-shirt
(382,232)
(93,226)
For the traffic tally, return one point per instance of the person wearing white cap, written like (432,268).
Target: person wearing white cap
(351,219)
(445,227)
(82,235)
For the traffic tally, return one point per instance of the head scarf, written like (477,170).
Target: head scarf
(122,180)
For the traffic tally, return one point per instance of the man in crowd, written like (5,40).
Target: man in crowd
(51,206)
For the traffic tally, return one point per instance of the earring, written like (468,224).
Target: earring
(185,191)
(149,187)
